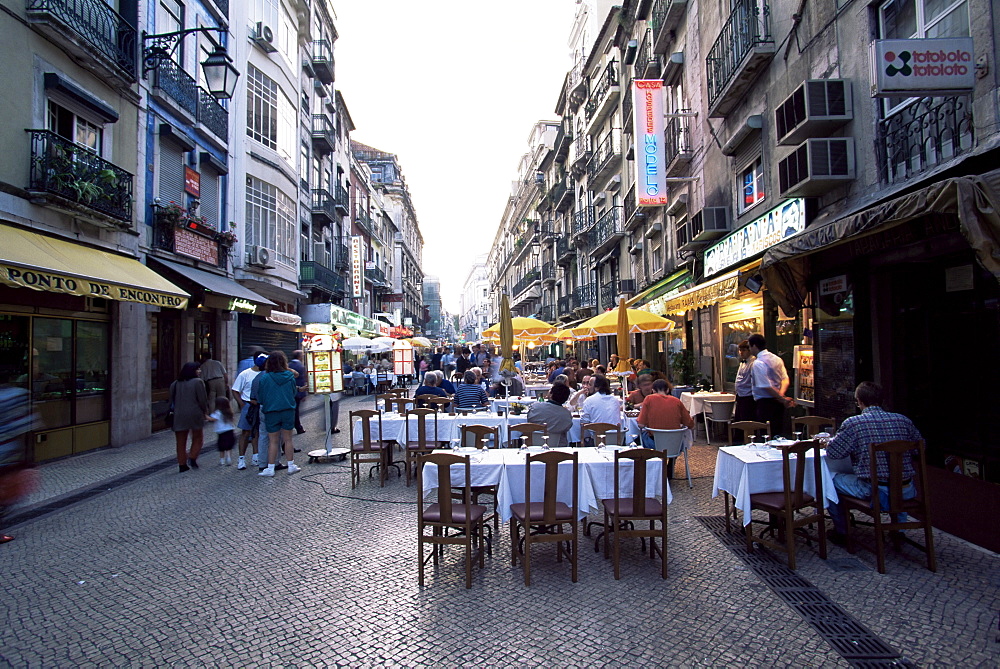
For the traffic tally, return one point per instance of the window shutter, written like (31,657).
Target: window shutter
(210,197)
(171,181)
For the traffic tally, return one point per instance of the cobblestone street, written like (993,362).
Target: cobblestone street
(219,567)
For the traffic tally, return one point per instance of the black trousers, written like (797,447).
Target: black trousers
(773,411)
(298,423)
(746,408)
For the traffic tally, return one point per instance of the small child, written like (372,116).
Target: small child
(222,420)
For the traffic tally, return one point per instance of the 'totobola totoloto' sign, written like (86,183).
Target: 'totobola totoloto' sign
(922,66)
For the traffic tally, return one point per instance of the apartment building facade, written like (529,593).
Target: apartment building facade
(474,302)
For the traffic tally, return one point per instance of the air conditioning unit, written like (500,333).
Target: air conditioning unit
(709,223)
(260,256)
(653,230)
(264,38)
(813,109)
(626,286)
(815,166)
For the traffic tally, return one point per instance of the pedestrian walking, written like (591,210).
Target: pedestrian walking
(17,477)
(189,404)
(249,419)
(301,385)
(276,394)
(213,373)
(225,432)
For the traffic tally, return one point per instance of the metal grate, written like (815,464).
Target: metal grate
(852,640)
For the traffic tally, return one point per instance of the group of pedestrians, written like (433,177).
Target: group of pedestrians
(268,391)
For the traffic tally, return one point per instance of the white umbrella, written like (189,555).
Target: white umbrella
(360,344)
(384,341)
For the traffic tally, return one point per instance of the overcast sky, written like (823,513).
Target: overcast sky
(452,87)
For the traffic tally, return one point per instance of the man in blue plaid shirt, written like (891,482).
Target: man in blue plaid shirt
(873,426)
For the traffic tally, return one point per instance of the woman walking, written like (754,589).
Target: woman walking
(276,394)
(189,402)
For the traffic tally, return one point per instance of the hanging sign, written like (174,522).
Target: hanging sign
(650,163)
(357,267)
(785,220)
(902,67)
(192,182)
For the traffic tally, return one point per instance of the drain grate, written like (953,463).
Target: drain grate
(45,508)
(848,637)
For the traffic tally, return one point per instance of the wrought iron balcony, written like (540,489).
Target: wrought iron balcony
(526,281)
(609,294)
(647,65)
(323,211)
(322,60)
(583,220)
(602,94)
(342,201)
(180,86)
(664,19)
(193,240)
(678,144)
(627,110)
(630,208)
(585,296)
(212,115)
(90,30)
(78,177)
(927,133)
(564,139)
(323,134)
(547,312)
(549,272)
(606,159)
(313,274)
(341,256)
(741,51)
(223,6)
(364,221)
(581,150)
(609,228)
(565,306)
(377,277)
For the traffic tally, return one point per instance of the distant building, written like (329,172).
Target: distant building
(435,326)
(475,301)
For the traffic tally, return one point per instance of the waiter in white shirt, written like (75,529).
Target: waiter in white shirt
(770,381)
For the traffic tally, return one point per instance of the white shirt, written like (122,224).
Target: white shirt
(599,408)
(577,400)
(243,382)
(768,371)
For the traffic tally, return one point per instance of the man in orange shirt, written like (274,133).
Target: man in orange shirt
(662,411)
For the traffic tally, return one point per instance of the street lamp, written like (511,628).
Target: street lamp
(220,74)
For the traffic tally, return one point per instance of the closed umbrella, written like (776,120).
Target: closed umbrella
(624,349)
(506,338)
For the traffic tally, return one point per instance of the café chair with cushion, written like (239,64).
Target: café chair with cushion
(420,438)
(892,453)
(480,436)
(543,521)
(603,430)
(360,383)
(529,434)
(671,444)
(786,509)
(717,411)
(368,450)
(622,514)
(452,523)
(810,425)
(745,426)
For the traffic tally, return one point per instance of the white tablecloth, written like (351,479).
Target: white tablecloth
(394,428)
(741,472)
(537,389)
(505,468)
(497,404)
(695,402)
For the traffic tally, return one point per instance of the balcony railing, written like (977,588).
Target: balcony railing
(609,226)
(179,85)
(322,60)
(78,175)
(564,250)
(547,312)
(678,139)
(583,220)
(608,149)
(646,63)
(549,271)
(585,296)
(212,115)
(746,28)
(565,305)
(525,282)
(564,139)
(322,206)
(630,204)
(929,132)
(364,221)
(664,18)
(104,30)
(607,79)
(609,294)
(313,274)
(188,239)
(323,134)
(223,6)
(341,199)
(627,113)
(341,256)
(376,276)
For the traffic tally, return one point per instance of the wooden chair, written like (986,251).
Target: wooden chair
(782,507)
(436,402)
(398,392)
(625,513)
(744,426)
(601,430)
(424,398)
(383,382)
(383,398)
(810,425)
(479,436)
(464,517)
(543,521)
(671,443)
(418,442)
(717,411)
(400,404)
(533,434)
(892,453)
(368,450)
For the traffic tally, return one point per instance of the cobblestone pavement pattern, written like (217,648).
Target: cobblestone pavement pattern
(221,567)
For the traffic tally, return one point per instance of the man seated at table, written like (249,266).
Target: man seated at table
(443,383)
(469,394)
(553,415)
(602,406)
(514,387)
(429,387)
(874,425)
(662,411)
(644,390)
(586,390)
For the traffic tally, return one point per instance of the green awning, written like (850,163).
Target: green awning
(675,280)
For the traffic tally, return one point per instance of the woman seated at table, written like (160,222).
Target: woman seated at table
(553,415)
(429,387)
(644,390)
(469,394)
(662,411)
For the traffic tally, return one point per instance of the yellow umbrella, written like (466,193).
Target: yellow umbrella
(506,337)
(569,335)
(521,326)
(623,344)
(607,323)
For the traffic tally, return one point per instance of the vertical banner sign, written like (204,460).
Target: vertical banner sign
(650,182)
(357,267)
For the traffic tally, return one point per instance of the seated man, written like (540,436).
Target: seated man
(428,387)
(602,406)
(874,425)
(644,390)
(443,383)
(553,415)
(662,411)
(469,394)
(585,391)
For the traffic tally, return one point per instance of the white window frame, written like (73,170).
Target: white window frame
(760,193)
(269,108)
(80,123)
(270,220)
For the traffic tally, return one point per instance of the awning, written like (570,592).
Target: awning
(975,200)
(31,260)
(221,292)
(284,318)
(673,281)
(717,290)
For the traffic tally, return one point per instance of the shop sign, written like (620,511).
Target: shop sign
(719,290)
(783,221)
(939,66)
(383,330)
(650,163)
(239,304)
(19,277)
(192,182)
(400,332)
(284,317)
(357,267)
(835,284)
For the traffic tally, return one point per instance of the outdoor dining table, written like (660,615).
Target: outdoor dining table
(537,389)
(504,403)
(695,402)
(505,468)
(741,471)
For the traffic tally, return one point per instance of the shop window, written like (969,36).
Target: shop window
(92,381)
(656,252)
(751,185)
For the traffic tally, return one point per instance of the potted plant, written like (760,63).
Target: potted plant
(226,237)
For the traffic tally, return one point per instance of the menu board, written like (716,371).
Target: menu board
(802,362)
(326,373)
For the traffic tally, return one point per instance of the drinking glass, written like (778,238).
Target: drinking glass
(798,435)
(545,442)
